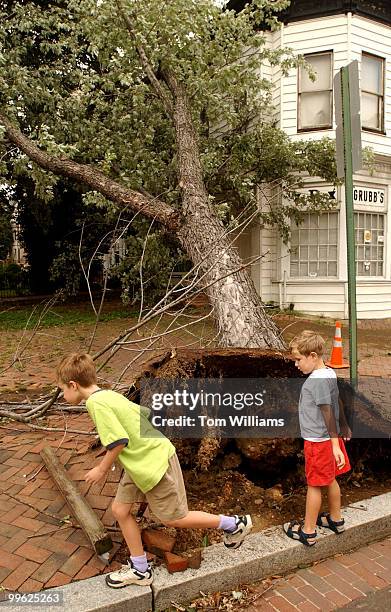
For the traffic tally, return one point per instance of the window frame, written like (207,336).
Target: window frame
(327,278)
(381,96)
(329,126)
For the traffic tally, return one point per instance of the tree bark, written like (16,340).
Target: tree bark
(239,313)
(241,318)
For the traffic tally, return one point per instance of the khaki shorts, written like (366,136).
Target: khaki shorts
(167,500)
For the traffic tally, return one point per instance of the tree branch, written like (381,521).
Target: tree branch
(147,205)
(150,73)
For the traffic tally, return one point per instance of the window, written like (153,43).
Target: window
(315,103)
(372,92)
(314,246)
(369,243)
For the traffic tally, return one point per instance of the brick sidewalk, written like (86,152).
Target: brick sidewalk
(330,584)
(36,550)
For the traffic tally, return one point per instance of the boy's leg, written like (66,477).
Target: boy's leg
(235,528)
(197,520)
(137,570)
(312,508)
(334,497)
(129,527)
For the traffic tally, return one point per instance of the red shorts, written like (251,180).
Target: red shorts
(320,466)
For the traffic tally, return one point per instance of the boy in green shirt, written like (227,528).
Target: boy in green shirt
(151,469)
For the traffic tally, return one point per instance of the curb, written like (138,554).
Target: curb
(261,555)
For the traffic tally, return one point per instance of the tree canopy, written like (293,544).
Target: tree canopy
(163,108)
(71,77)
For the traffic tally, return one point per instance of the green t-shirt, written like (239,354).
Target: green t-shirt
(118,421)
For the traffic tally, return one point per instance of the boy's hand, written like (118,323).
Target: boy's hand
(95,475)
(346,433)
(339,457)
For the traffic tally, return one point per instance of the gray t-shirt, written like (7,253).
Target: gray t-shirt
(319,388)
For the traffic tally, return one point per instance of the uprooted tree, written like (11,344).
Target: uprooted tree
(160,107)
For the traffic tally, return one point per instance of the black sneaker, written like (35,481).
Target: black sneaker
(233,539)
(129,575)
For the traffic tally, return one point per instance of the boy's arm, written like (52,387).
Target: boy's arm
(329,419)
(100,470)
(344,425)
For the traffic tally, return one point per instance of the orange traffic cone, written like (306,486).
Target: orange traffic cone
(336,359)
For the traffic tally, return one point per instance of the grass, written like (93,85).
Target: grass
(14,319)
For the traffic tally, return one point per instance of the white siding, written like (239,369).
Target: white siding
(323,34)
(322,298)
(373,300)
(375,38)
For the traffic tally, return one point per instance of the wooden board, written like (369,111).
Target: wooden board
(80,508)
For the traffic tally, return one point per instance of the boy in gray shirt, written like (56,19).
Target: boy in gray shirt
(324,451)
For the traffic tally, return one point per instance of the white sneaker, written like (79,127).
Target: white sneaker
(129,575)
(233,539)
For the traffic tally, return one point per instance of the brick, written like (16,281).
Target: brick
(110,489)
(31,487)
(29,551)
(369,552)
(369,577)
(345,560)
(108,518)
(307,606)
(175,563)
(58,579)
(6,504)
(20,575)
(320,570)
(4,572)
(56,545)
(316,581)
(76,561)
(32,457)
(8,530)
(346,589)
(11,515)
(50,567)
(8,473)
(316,598)
(31,586)
(64,534)
(337,598)
(16,540)
(30,513)
(279,603)
(28,523)
(292,595)
(10,560)
(157,542)
(86,572)
(296,581)
(15,462)
(47,493)
(78,537)
(99,501)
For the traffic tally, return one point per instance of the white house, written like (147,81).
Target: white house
(312,275)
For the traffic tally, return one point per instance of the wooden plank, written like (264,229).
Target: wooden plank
(80,508)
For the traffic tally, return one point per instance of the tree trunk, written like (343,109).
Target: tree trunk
(240,316)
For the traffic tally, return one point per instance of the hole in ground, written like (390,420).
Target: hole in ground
(263,477)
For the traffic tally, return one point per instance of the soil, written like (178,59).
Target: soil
(231,492)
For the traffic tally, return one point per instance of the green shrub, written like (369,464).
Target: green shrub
(14,278)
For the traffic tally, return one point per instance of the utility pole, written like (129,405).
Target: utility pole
(349,160)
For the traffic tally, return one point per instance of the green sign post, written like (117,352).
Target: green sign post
(349,160)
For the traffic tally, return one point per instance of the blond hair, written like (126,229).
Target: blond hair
(78,367)
(308,342)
